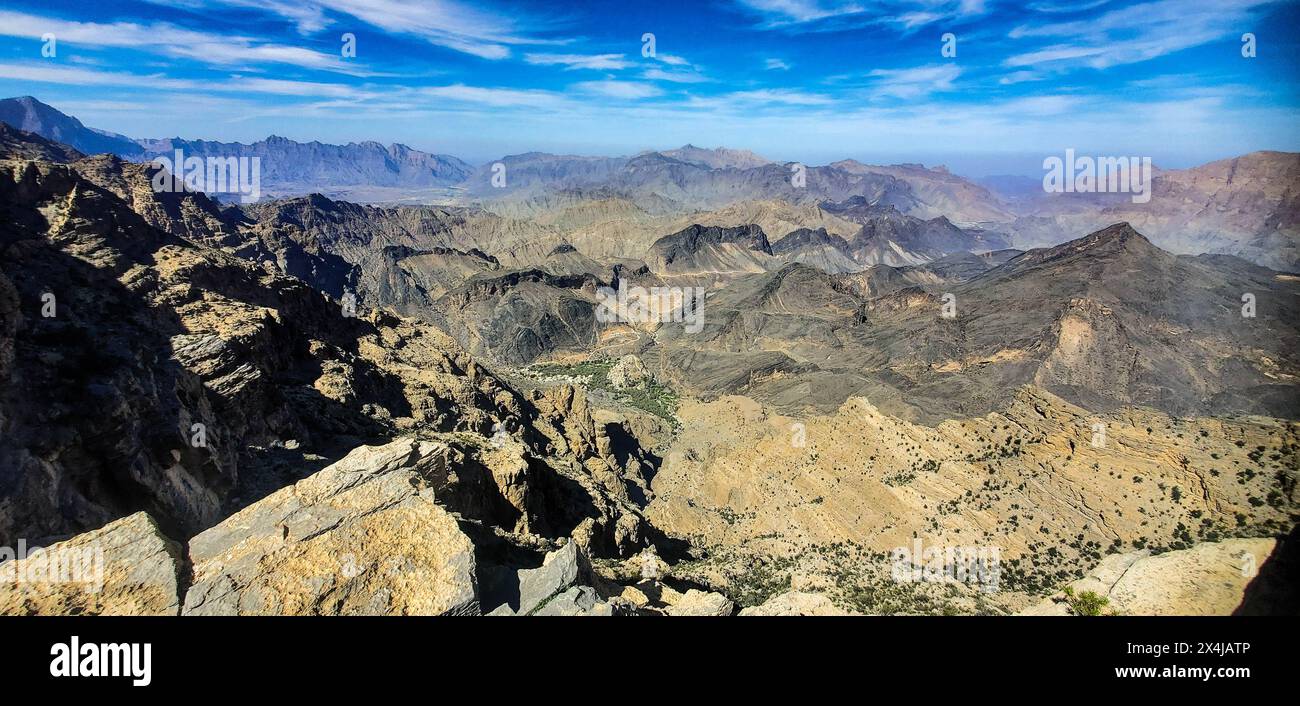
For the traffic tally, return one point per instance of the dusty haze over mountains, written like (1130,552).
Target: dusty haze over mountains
(320,376)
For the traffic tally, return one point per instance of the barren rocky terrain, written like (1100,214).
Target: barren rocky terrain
(313,406)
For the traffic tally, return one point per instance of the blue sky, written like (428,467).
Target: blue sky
(805,80)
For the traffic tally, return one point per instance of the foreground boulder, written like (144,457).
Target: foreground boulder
(527,591)
(1211,578)
(126,567)
(702,603)
(361,537)
(796,603)
(576,601)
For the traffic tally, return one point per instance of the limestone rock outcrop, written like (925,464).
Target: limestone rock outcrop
(126,567)
(701,604)
(361,537)
(1211,578)
(796,603)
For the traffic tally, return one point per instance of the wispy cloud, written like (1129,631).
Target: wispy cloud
(468,28)
(672,60)
(775,64)
(1135,33)
(681,71)
(675,76)
(307,17)
(1063,6)
(169,40)
(601,62)
(619,89)
(494,97)
(914,82)
(780,12)
(762,98)
(44,73)
(1020,77)
(814,15)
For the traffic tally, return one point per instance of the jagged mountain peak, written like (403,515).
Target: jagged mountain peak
(717,157)
(809,237)
(31,115)
(1117,239)
(694,236)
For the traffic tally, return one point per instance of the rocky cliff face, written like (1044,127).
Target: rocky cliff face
(1232,577)
(187,382)
(1105,320)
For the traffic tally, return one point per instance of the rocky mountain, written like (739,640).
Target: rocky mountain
(823,503)
(704,251)
(188,383)
(519,316)
(937,192)
(290,168)
(890,237)
(287,167)
(683,180)
(618,206)
(311,406)
(32,146)
(30,115)
(1245,206)
(816,248)
(1095,320)
(1211,578)
(716,158)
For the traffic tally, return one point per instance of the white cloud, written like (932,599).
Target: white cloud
(307,17)
(619,89)
(775,64)
(1020,77)
(44,73)
(686,73)
(1135,33)
(446,23)
(837,14)
(601,62)
(1056,6)
(674,76)
(170,40)
(494,97)
(455,25)
(759,99)
(796,11)
(914,82)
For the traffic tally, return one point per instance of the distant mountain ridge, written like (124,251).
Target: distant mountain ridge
(717,158)
(27,113)
(288,167)
(1248,206)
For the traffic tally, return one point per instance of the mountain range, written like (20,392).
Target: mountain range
(262,393)
(1244,206)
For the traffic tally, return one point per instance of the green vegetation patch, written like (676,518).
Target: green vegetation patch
(653,397)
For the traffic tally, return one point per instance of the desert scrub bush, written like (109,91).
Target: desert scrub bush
(899,478)
(758,583)
(1086,603)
